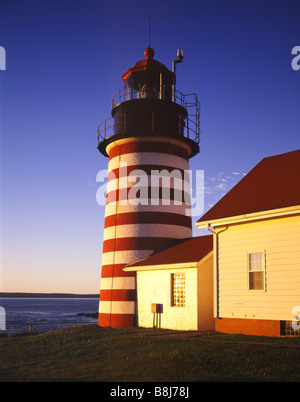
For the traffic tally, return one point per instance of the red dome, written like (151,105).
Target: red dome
(149,64)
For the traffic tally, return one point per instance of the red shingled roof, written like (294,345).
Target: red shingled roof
(180,251)
(273,183)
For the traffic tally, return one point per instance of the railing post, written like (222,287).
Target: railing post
(160,86)
(153,117)
(124,122)
(179,125)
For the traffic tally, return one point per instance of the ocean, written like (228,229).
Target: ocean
(45,314)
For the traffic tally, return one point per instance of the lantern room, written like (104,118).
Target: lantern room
(150,78)
(149,105)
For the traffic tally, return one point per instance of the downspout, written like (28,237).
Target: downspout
(216,268)
(215,271)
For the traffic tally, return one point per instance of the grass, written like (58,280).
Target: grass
(92,353)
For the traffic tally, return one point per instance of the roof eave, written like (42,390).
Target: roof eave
(162,266)
(261,215)
(179,265)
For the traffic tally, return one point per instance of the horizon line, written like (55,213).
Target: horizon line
(45,294)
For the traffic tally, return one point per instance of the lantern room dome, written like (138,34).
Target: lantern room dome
(148,65)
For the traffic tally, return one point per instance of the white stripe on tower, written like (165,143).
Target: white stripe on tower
(136,228)
(146,230)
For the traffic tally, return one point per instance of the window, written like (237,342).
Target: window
(178,290)
(256,271)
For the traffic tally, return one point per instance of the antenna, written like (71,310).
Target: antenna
(149,30)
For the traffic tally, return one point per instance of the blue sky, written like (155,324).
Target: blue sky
(64,61)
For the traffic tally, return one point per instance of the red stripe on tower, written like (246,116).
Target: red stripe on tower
(141,217)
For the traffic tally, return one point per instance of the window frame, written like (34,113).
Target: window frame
(172,278)
(263,270)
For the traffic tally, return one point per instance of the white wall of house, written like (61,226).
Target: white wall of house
(279,239)
(155,287)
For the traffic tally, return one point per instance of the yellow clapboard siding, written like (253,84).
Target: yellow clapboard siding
(280,240)
(263,226)
(257,234)
(241,298)
(271,242)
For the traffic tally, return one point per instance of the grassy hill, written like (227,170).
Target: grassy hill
(92,353)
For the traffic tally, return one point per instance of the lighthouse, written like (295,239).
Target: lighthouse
(152,133)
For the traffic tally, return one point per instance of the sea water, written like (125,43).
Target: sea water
(46,314)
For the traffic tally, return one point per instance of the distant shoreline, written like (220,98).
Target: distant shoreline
(48,295)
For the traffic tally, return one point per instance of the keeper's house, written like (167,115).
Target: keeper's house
(256,252)
(245,278)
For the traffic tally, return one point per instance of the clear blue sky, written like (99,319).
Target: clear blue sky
(64,61)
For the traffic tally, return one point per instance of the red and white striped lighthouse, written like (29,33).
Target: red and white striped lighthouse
(149,140)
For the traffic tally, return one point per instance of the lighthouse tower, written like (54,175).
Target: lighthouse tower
(152,134)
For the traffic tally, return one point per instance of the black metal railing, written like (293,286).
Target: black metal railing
(188,101)
(127,93)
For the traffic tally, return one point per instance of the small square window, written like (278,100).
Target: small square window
(256,268)
(178,290)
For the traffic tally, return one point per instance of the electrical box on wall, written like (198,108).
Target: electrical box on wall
(156,308)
